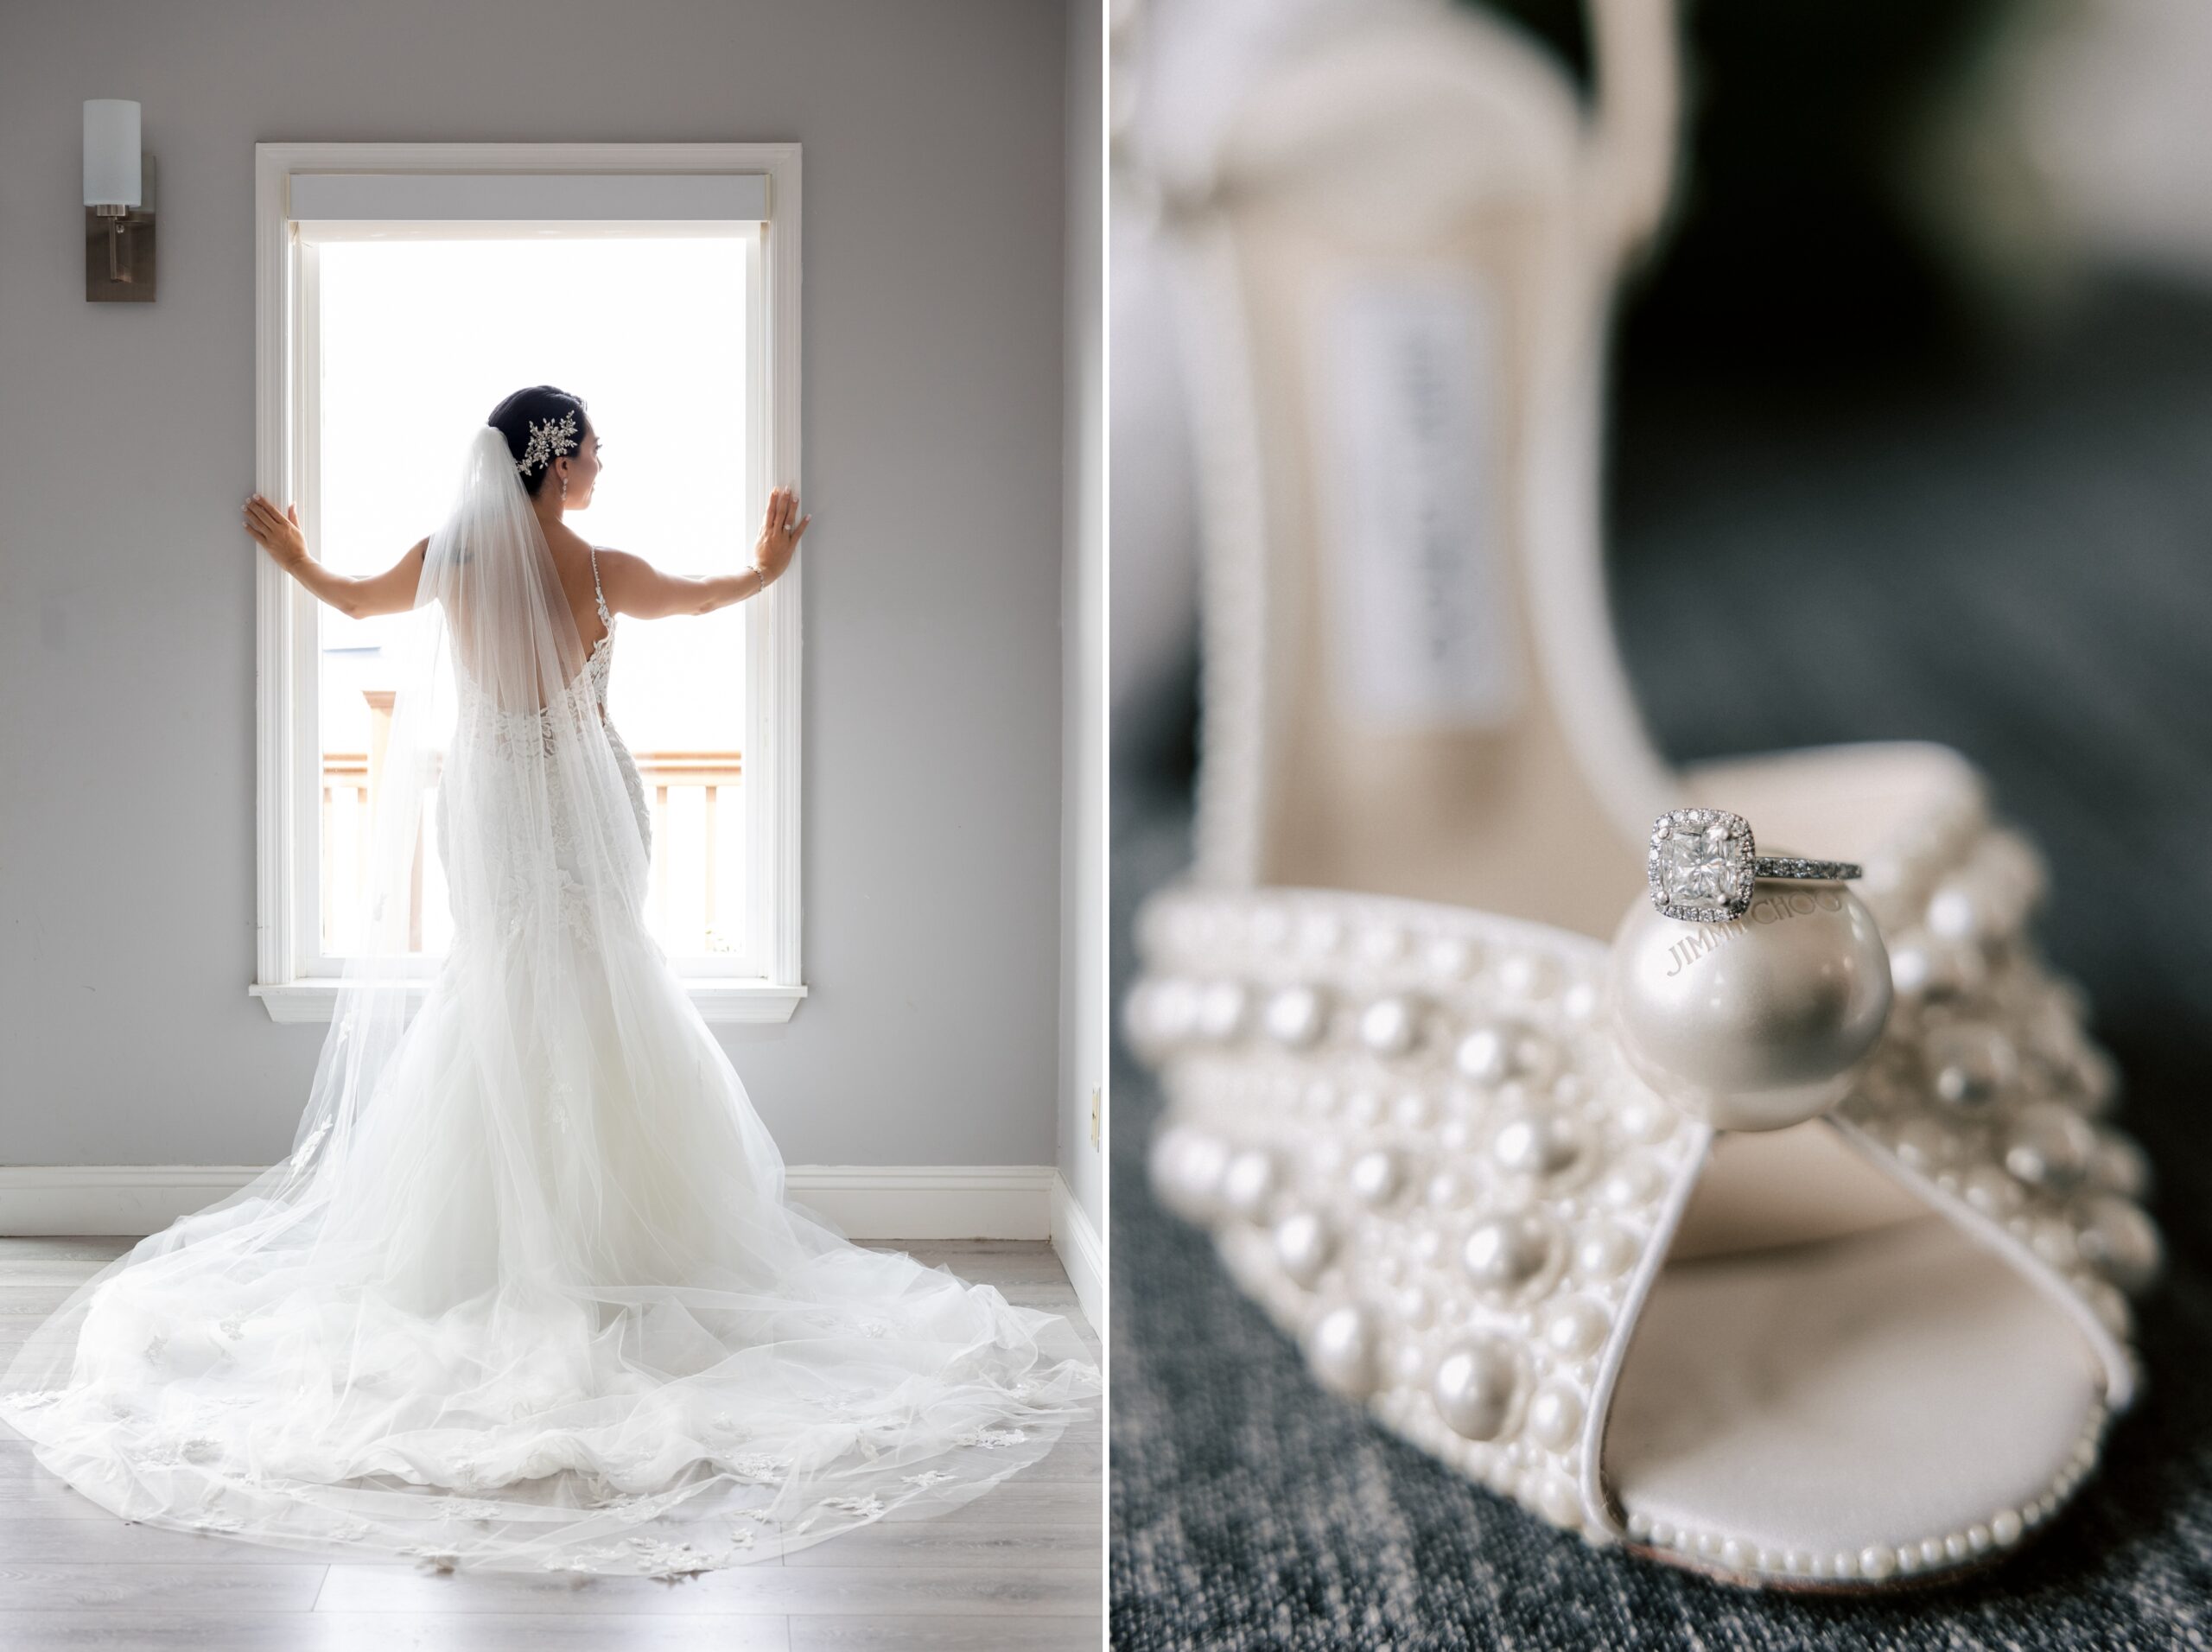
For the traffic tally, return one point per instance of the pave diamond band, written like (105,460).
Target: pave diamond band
(1704,865)
(1788,865)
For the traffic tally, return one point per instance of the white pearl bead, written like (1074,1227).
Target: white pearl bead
(2119,1241)
(1630,1184)
(1574,1328)
(1537,1142)
(1186,1165)
(2049,1145)
(1374,1178)
(1484,1055)
(1248,1184)
(1559,1503)
(1969,1064)
(1475,1386)
(1295,1016)
(1389,1026)
(1645,1118)
(1756,1024)
(2119,1166)
(1449,1191)
(1603,1252)
(1960,910)
(1221,1011)
(1508,1253)
(1162,1011)
(1303,1245)
(1912,969)
(1924,1144)
(1555,1415)
(1319,933)
(1450,958)
(1413,1111)
(1407,1361)
(1382,946)
(1877,1562)
(1524,975)
(1339,1347)
(1989,1190)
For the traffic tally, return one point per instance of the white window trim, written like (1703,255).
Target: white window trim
(283,610)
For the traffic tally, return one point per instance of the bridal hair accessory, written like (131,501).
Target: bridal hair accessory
(1703,865)
(547,440)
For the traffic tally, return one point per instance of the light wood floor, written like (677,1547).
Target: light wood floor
(1018,1570)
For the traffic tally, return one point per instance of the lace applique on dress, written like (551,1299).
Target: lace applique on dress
(498,744)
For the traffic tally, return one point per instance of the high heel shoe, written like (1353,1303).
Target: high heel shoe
(1881,1345)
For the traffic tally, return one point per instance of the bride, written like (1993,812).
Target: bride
(527,1294)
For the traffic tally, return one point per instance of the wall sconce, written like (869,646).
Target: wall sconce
(119,206)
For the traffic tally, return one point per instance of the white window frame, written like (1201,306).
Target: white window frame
(292,980)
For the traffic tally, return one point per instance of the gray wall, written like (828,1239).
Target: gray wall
(1082,626)
(935,177)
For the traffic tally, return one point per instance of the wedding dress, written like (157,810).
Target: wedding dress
(527,1294)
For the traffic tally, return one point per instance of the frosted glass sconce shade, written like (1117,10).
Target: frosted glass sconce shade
(112,152)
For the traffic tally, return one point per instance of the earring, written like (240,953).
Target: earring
(565,487)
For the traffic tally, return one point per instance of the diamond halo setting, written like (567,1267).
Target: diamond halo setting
(1704,864)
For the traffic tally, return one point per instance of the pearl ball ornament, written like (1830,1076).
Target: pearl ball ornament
(1475,1386)
(1759,1024)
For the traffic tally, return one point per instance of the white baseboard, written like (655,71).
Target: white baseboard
(868,1201)
(1075,1237)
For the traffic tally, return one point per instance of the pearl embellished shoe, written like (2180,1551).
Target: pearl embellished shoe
(1796,1249)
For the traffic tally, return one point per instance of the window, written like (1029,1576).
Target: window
(405,288)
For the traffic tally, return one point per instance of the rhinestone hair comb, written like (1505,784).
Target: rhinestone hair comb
(548,442)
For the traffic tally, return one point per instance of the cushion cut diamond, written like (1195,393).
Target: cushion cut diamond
(1698,866)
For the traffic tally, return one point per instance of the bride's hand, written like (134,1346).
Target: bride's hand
(279,535)
(779,534)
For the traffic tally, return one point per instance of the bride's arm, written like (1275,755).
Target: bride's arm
(386,592)
(634,586)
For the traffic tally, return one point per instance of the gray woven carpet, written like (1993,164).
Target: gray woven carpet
(2021,566)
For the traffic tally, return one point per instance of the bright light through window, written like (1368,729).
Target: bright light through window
(421,338)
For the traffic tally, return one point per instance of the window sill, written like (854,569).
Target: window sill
(721,1002)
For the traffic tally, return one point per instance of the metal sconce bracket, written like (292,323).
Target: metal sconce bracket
(124,245)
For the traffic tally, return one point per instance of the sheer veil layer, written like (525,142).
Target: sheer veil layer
(527,1294)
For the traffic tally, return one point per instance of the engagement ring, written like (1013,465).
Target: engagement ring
(1703,864)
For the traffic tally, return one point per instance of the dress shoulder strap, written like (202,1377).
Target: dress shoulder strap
(598,594)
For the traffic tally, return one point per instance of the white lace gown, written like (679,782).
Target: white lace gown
(538,1301)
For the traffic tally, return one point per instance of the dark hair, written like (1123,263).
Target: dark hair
(539,404)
